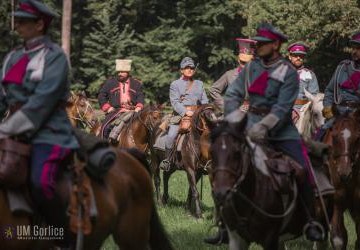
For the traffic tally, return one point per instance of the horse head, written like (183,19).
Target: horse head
(80,111)
(317,119)
(345,140)
(227,147)
(150,116)
(204,118)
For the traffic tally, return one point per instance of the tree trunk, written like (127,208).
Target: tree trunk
(66,27)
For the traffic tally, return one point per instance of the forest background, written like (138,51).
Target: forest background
(157,34)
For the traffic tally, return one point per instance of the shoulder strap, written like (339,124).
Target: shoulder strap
(189,86)
(247,81)
(337,94)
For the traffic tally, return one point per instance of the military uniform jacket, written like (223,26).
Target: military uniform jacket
(36,79)
(347,80)
(275,87)
(180,96)
(219,87)
(308,81)
(109,94)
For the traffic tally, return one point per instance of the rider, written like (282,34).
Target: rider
(120,96)
(342,92)
(35,88)
(246,54)
(272,85)
(297,52)
(185,94)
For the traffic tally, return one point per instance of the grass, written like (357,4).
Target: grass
(187,233)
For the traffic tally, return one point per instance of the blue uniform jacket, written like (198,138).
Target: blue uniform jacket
(274,86)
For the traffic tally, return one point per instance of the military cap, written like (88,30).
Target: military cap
(34,9)
(298,48)
(123,65)
(355,39)
(187,62)
(267,33)
(246,49)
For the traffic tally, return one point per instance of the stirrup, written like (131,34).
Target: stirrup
(165,165)
(318,227)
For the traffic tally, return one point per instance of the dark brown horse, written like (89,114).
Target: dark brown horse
(249,202)
(193,156)
(344,167)
(125,205)
(138,131)
(82,114)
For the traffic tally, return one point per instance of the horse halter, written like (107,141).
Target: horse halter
(82,115)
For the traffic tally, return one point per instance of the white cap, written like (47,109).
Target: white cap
(123,65)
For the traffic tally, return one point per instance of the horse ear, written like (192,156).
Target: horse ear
(309,95)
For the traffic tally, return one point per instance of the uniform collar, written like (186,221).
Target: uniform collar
(36,42)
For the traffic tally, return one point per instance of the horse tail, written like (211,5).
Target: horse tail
(140,156)
(158,237)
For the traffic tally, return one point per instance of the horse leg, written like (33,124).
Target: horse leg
(195,194)
(156,177)
(356,215)
(166,177)
(236,242)
(338,232)
(188,200)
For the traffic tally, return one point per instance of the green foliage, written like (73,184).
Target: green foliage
(156,34)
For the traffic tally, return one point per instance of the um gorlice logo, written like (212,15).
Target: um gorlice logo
(32,232)
(8,232)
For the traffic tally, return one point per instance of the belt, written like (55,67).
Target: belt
(259,111)
(191,107)
(301,101)
(350,104)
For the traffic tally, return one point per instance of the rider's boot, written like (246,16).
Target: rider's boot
(221,237)
(165,164)
(313,230)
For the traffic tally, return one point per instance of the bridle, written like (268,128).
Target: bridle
(81,116)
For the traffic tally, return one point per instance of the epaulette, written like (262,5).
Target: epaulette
(289,64)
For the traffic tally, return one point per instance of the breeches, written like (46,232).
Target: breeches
(171,136)
(45,163)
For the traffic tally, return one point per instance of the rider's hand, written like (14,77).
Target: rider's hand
(137,109)
(189,113)
(111,109)
(257,132)
(327,112)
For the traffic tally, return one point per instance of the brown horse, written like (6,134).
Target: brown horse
(344,167)
(138,131)
(125,205)
(193,157)
(249,202)
(82,114)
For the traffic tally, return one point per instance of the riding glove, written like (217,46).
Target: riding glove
(259,130)
(236,116)
(17,124)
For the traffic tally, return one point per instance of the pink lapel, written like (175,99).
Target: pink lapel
(17,72)
(260,84)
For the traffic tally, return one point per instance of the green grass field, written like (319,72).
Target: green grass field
(187,233)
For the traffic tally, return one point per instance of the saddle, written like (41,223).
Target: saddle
(283,171)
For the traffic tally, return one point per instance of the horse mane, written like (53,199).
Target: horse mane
(234,129)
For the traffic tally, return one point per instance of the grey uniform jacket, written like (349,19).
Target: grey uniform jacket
(219,87)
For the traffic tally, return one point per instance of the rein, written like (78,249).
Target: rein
(81,117)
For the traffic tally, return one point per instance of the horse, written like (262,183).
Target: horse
(310,115)
(344,166)
(126,209)
(249,201)
(82,114)
(138,131)
(192,156)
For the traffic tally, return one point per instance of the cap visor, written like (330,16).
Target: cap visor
(298,53)
(23,14)
(261,39)
(354,42)
(188,65)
